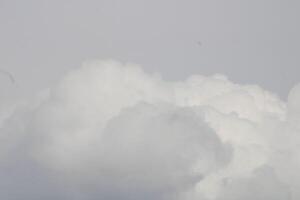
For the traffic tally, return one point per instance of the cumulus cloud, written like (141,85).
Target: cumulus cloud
(111,131)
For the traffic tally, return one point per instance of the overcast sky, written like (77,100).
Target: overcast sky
(253,41)
(92,135)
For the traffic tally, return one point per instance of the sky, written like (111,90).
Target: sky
(149,100)
(251,42)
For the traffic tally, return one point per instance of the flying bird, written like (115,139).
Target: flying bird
(9,75)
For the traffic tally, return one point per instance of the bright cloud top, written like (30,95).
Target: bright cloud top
(111,131)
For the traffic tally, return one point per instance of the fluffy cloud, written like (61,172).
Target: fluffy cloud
(111,131)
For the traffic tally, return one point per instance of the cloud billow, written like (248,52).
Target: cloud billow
(111,131)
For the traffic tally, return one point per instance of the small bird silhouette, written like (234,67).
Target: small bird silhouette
(9,75)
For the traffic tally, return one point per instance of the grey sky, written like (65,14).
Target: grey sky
(251,41)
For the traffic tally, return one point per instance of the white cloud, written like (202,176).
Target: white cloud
(111,131)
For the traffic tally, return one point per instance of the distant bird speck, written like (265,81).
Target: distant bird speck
(9,75)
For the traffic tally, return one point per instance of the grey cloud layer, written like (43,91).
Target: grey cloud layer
(111,131)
